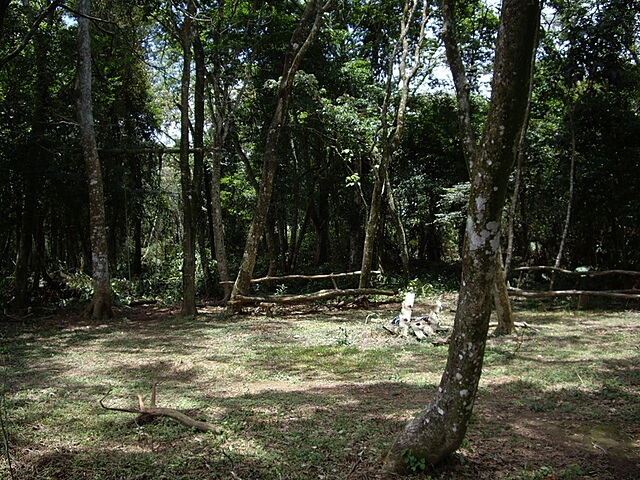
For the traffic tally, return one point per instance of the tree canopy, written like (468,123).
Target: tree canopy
(342,116)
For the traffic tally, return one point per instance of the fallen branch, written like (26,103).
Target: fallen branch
(516,292)
(519,325)
(155,411)
(136,303)
(330,276)
(587,273)
(311,297)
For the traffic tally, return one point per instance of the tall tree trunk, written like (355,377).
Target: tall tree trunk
(300,43)
(101,301)
(373,221)
(567,218)
(186,180)
(320,217)
(513,207)
(200,218)
(440,428)
(391,135)
(521,156)
(273,250)
(469,144)
(136,173)
(25,244)
(218,225)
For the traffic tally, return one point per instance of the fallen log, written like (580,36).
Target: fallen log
(310,297)
(516,292)
(324,276)
(154,411)
(588,273)
(519,325)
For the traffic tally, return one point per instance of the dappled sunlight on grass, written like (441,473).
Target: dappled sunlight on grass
(311,396)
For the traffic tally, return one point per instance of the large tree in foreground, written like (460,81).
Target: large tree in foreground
(440,428)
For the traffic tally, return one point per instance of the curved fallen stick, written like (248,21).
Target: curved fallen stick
(155,411)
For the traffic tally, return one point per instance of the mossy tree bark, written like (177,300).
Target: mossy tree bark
(100,306)
(440,428)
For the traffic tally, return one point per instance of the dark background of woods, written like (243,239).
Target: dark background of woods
(584,129)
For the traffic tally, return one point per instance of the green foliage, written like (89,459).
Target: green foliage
(420,288)
(587,82)
(413,463)
(585,74)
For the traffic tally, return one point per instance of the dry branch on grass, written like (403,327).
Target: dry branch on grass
(154,411)
(519,325)
(325,276)
(632,294)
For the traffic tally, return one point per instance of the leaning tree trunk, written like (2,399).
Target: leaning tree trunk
(440,428)
(101,301)
(469,145)
(407,64)
(301,41)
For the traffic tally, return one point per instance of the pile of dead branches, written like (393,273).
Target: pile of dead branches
(425,327)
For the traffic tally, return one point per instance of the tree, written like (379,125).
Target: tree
(440,428)
(470,149)
(101,301)
(188,180)
(301,41)
(407,56)
(584,111)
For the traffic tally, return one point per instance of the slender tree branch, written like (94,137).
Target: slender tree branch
(32,31)
(460,80)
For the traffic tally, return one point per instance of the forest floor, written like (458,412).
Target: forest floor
(311,393)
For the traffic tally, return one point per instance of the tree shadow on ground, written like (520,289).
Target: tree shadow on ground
(323,423)
(342,431)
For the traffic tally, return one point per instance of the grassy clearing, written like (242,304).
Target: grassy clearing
(312,396)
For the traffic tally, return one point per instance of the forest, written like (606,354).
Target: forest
(211,160)
(572,197)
